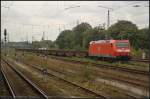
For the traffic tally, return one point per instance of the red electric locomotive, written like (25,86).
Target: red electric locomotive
(116,49)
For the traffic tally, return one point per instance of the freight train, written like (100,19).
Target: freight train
(108,49)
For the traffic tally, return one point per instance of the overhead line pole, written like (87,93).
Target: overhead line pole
(108,20)
(108,14)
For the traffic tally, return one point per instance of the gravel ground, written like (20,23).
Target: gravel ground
(20,86)
(58,64)
(77,74)
(3,88)
(100,88)
(52,86)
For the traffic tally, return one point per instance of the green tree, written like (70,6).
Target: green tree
(143,38)
(43,44)
(47,44)
(93,35)
(78,34)
(124,30)
(36,44)
(65,39)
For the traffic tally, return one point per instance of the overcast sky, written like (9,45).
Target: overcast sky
(29,19)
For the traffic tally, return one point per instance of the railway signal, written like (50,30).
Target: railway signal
(5,34)
(5,40)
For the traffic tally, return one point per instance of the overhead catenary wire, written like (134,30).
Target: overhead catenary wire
(65,25)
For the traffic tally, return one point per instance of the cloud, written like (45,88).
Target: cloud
(32,18)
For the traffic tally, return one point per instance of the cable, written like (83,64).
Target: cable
(7,13)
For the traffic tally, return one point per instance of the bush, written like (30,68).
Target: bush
(136,53)
(87,73)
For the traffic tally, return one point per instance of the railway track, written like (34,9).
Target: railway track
(140,60)
(107,66)
(112,78)
(64,53)
(13,90)
(82,88)
(115,79)
(9,85)
(119,68)
(62,73)
(132,59)
(136,82)
(40,69)
(87,90)
(4,90)
(72,84)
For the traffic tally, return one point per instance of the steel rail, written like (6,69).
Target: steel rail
(117,79)
(108,66)
(85,89)
(8,83)
(140,60)
(102,65)
(112,78)
(88,90)
(27,80)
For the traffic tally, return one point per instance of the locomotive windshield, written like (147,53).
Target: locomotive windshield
(122,44)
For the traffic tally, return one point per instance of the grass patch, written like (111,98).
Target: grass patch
(85,79)
(131,65)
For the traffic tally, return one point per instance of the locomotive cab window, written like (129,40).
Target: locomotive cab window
(122,44)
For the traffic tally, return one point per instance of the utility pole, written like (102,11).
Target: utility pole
(32,39)
(77,22)
(48,31)
(64,27)
(32,28)
(108,20)
(59,28)
(27,38)
(43,37)
(108,16)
